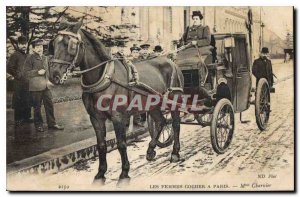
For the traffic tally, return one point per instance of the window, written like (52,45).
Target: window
(240,58)
(191,78)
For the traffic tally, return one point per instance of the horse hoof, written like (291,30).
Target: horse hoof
(123,181)
(99,181)
(124,177)
(175,158)
(150,155)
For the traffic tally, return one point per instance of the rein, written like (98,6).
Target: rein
(97,66)
(71,65)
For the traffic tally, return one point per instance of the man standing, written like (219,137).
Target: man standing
(35,69)
(21,97)
(135,56)
(158,50)
(144,53)
(134,53)
(262,67)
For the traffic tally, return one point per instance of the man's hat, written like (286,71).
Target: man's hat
(265,50)
(145,46)
(197,13)
(38,42)
(22,40)
(135,47)
(158,48)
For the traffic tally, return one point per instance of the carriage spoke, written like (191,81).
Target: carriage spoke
(222,129)
(166,130)
(263,95)
(220,137)
(264,107)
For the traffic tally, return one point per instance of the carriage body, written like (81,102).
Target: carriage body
(225,90)
(228,77)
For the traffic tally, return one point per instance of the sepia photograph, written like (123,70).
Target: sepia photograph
(150,98)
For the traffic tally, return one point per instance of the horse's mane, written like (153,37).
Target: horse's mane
(97,45)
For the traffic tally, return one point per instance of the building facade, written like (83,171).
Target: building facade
(162,25)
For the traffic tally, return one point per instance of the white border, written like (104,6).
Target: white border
(110,3)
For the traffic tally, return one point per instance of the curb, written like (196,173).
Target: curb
(59,159)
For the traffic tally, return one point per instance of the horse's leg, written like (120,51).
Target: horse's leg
(159,120)
(100,129)
(176,127)
(119,123)
(98,122)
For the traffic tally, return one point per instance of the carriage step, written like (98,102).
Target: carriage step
(243,121)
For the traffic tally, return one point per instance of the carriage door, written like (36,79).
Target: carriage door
(242,74)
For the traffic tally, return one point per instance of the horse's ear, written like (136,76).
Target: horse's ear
(63,24)
(77,26)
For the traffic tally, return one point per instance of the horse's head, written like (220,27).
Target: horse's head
(65,49)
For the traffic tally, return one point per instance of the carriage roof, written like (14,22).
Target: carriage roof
(220,36)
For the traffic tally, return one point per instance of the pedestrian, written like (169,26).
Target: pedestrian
(158,50)
(134,53)
(134,57)
(144,52)
(36,67)
(21,96)
(262,67)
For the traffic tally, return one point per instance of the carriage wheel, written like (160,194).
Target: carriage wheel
(262,104)
(166,136)
(222,126)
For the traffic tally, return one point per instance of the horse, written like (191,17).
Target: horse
(104,75)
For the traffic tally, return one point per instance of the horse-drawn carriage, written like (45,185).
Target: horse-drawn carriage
(224,88)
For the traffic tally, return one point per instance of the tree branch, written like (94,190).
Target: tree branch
(30,40)
(13,42)
(53,25)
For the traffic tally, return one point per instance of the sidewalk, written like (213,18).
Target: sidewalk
(24,142)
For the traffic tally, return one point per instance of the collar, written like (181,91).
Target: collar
(37,56)
(196,25)
(23,53)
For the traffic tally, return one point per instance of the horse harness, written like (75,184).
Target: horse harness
(105,80)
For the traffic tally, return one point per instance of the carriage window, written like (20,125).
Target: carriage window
(240,58)
(220,46)
(220,49)
(191,78)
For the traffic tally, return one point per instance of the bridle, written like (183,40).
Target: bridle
(71,65)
